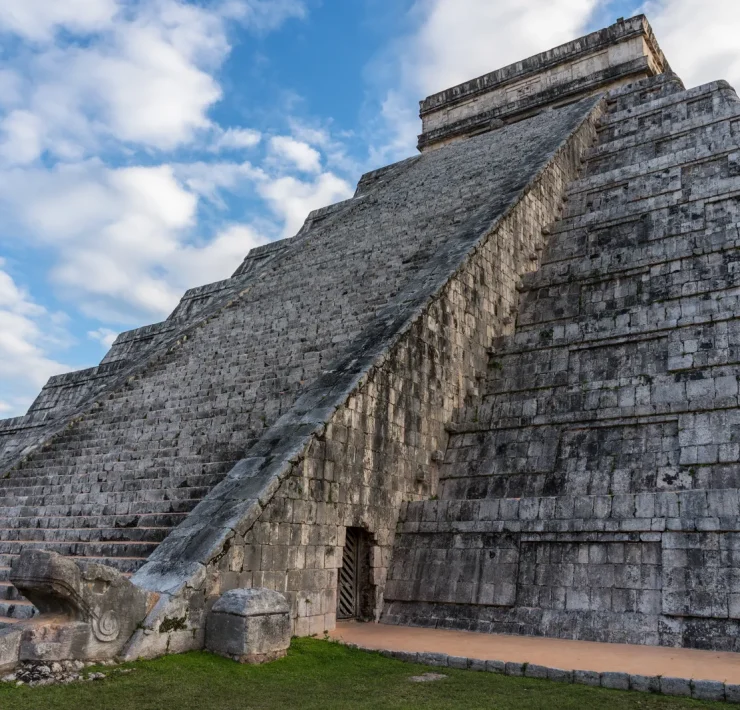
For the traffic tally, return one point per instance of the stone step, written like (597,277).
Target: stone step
(702,150)
(592,263)
(8,592)
(60,535)
(57,475)
(97,549)
(110,486)
(103,498)
(670,214)
(603,152)
(127,507)
(62,522)
(637,94)
(696,101)
(721,132)
(126,564)
(6,621)
(17,609)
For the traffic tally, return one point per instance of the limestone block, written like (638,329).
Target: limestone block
(249,625)
(10,643)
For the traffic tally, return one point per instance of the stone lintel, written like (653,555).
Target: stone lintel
(622,53)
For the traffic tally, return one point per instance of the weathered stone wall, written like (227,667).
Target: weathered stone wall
(381,441)
(592,491)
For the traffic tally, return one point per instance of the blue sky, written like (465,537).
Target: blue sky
(147,145)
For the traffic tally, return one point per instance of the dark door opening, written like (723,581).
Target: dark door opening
(354,593)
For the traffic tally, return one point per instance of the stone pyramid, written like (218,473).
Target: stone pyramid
(494,390)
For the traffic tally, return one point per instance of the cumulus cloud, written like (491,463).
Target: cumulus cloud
(458,40)
(27,333)
(236,139)
(292,199)
(699,37)
(105,336)
(146,79)
(296,154)
(38,20)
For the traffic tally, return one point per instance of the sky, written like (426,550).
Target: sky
(147,145)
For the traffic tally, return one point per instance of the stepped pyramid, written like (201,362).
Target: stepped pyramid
(495,390)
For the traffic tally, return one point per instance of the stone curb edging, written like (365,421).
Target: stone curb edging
(664,685)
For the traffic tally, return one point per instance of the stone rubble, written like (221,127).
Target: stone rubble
(38,674)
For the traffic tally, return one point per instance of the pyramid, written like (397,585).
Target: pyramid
(495,390)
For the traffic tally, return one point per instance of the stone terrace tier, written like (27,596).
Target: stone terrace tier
(592,490)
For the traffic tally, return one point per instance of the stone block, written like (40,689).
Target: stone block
(732,693)
(457,662)
(591,678)
(559,675)
(515,669)
(495,666)
(534,671)
(645,683)
(433,659)
(615,681)
(10,645)
(249,625)
(707,690)
(675,686)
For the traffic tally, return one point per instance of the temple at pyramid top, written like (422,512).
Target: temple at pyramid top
(623,53)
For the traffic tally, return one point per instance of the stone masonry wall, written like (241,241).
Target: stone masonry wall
(380,444)
(592,490)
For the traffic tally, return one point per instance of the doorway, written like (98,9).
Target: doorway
(354,592)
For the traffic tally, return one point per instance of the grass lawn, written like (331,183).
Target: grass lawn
(322,675)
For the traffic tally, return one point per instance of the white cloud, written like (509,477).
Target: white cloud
(124,239)
(456,40)
(292,199)
(296,154)
(236,139)
(265,15)
(21,140)
(699,38)
(39,19)
(217,259)
(462,39)
(146,79)
(105,336)
(27,334)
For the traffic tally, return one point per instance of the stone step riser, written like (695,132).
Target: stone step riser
(669,103)
(648,159)
(111,486)
(16,609)
(60,475)
(583,258)
(9,593)
(103,499)
(92,509)
(637,96)
(153,535)
(81,549)
(81,522)
(638,148)
(679,285)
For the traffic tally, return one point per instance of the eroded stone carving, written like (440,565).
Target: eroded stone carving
(88,611)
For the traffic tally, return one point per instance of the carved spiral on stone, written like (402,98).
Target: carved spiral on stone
(107,627)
